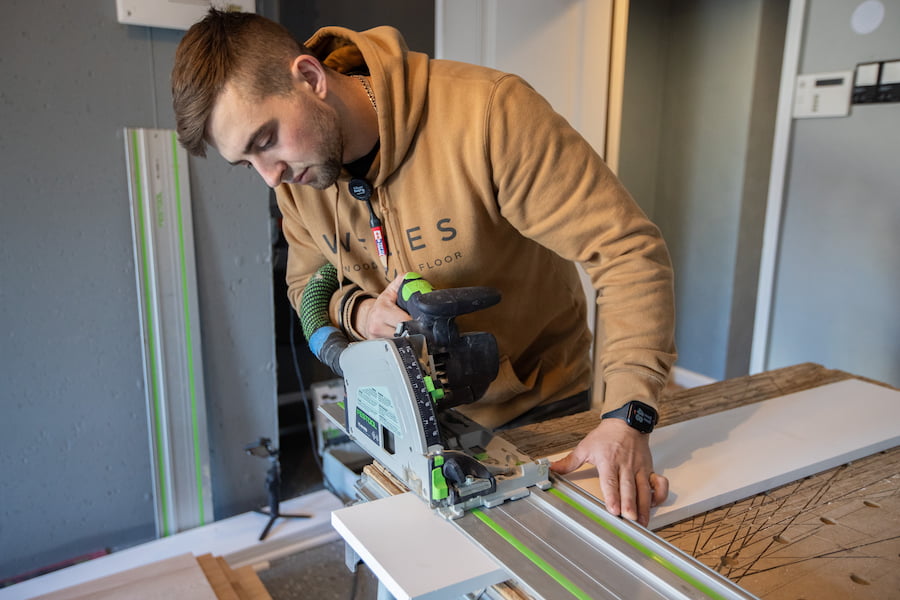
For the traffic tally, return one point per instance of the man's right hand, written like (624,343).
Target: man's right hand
(379,317)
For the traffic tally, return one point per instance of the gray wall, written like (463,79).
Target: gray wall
(74,453)
(700,95)
(415,20)
(837,289)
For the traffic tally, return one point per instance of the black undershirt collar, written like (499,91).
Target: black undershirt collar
(360,166)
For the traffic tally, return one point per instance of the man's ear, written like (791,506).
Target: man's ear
(307,69)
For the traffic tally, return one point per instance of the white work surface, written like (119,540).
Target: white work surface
(415,553)
(724,457)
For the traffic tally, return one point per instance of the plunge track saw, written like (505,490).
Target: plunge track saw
(401,391)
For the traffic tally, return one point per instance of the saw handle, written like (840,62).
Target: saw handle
(426,305)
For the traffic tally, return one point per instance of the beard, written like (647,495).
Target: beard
(331,144)
(324,175)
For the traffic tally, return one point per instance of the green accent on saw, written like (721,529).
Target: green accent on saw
(414,284)
(316,298)
(640,547)
(436,392)
(531,555)
(341,405)
(366,418)
(439,489)
(188,342)
(153,382)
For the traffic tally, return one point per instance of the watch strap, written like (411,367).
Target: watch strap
(636,414)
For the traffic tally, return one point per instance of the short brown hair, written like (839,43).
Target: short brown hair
(222,47)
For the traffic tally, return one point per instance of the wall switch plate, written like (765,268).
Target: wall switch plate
(823,95)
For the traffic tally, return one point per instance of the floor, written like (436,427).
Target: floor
(318,573)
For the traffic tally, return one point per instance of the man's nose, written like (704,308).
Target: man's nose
(271,173)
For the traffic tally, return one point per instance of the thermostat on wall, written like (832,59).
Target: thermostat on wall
(174,14)
(823,95)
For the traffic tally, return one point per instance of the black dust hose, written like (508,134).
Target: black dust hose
(325,340)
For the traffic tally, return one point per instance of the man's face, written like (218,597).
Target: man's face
(293,138)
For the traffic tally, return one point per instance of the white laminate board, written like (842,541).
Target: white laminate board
(176,578)
(415,553)
(724,457)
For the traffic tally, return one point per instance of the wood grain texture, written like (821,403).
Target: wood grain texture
(832,535)
(217,576)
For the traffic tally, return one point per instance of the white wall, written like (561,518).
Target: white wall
(837,284)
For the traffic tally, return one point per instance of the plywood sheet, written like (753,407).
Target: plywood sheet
(720,458)
(415,553)
(831,536)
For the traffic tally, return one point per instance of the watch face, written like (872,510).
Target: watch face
(641,417)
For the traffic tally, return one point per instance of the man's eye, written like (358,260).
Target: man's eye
(266,143)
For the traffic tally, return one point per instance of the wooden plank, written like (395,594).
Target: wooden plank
(217,576)
(248,584)
(414,552)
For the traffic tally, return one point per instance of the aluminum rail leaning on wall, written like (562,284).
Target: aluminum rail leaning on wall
(170,328)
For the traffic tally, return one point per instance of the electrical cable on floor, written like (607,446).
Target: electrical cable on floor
(310,424)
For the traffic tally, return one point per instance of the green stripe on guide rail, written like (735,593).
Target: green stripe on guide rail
(637,545)
(531,555)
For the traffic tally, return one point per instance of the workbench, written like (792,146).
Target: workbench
(832,535)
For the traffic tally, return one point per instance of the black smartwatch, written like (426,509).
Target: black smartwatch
(642,417)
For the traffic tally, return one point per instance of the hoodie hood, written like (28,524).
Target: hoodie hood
(399,80)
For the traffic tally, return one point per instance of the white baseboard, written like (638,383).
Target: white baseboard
(690,379)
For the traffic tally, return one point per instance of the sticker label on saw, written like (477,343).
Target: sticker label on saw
(367,426)
(376,401)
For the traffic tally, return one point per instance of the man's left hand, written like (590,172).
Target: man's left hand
(625,467)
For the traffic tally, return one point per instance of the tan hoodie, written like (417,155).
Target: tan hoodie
(479,182)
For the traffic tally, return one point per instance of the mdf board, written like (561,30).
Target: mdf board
(727,456)
(179,577)
(415,553)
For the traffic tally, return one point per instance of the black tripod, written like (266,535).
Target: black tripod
(263,449)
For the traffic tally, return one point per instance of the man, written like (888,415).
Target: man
(477,181)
